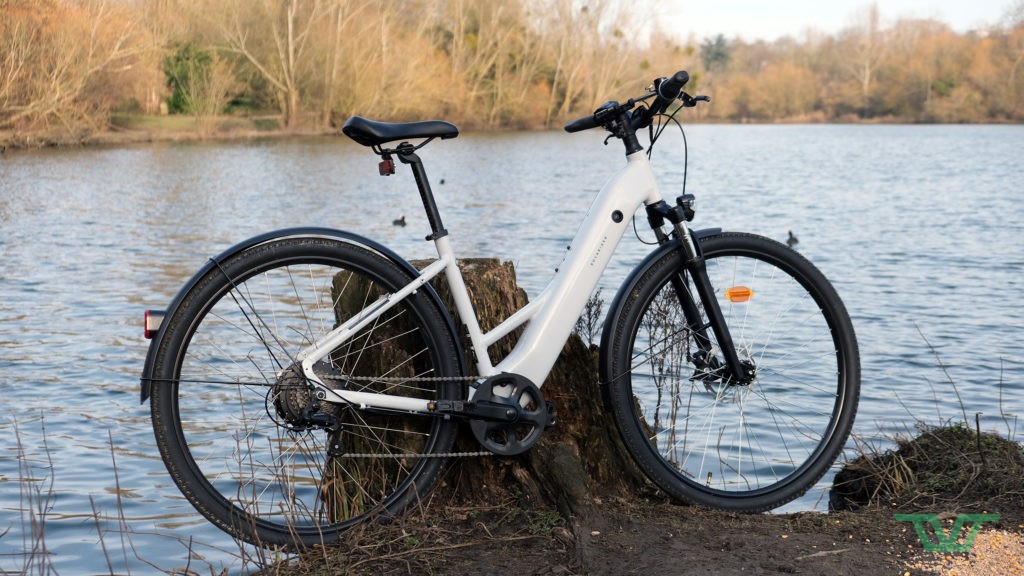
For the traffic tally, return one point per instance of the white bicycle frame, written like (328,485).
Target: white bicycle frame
(551,316)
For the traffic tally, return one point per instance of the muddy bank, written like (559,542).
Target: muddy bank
(943,472)
(652,537)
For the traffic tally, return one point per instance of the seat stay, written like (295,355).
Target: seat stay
(321,349)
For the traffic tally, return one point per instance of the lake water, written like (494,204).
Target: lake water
(921,228)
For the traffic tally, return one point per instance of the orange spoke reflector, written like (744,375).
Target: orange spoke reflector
(738,294)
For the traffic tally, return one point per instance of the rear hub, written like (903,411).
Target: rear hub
(296,406)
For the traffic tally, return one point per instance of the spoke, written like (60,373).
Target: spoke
(728,437)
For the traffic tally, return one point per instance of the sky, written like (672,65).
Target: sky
(772,19)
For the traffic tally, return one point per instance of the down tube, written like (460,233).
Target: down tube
(587,257)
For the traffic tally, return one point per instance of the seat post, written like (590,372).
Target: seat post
(407,155)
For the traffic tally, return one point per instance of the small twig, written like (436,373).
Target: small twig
(1010,433)
(188,563)
(484,526)
(120,505)
(977,438)
(36,503)
(99,531)
(822,553)
(944,369)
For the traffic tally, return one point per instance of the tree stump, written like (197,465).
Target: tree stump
(575,462)
(578,460)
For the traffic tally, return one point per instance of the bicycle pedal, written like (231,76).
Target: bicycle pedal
(552,420)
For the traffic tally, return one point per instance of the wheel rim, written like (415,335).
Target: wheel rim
(268,474)
(741,441)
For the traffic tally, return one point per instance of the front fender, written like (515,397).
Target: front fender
(146,380)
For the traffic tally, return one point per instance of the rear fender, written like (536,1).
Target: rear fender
(156,333)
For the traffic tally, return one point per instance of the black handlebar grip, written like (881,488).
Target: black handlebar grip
(581,124)
(669,88)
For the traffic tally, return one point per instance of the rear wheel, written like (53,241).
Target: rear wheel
(703,438)
(238,424)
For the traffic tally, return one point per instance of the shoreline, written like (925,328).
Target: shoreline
(651,535)
(152,129)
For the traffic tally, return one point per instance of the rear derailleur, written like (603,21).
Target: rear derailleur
(296,406)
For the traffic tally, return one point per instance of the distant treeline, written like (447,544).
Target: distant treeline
(69,66)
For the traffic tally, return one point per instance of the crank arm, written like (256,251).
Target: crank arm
(486,411)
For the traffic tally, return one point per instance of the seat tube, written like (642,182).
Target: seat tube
(464,307)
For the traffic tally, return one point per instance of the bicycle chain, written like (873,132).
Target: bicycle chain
(480,453)
(402,378)
(477,454)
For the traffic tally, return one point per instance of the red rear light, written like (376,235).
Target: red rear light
(151,322)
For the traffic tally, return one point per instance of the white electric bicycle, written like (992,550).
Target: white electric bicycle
(308,379)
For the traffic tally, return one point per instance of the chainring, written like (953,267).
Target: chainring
(533,414)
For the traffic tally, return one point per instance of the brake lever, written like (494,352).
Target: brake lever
(691,101)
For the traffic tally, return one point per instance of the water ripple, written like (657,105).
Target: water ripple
(919,226)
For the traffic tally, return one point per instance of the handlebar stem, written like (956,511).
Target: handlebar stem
(627,133)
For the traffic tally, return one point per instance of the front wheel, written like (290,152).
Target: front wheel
(701,436)
(240,428)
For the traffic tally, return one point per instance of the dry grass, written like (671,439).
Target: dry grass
(940,467)
(114,532)
(955,463)
(427,540)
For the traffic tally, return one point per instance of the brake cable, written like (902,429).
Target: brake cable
(654,133)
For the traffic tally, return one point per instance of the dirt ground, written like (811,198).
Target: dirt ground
(658,538)
(943,472)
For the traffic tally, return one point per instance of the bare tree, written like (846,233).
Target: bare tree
(1015,47)
(345,46)
(867,48)
(208,85)
(65,62)
(274,37)
(592,44)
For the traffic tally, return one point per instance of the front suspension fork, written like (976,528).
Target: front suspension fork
(735,370)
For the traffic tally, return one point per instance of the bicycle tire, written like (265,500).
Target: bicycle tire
(227,406)
(744,448)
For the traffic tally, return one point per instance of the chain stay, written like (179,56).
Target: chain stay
(401,378)
(477,454)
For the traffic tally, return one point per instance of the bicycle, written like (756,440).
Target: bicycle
(308,379)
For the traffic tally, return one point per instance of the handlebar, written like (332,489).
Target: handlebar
(668,89)
(581,124)
(600,117)
(665,91)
